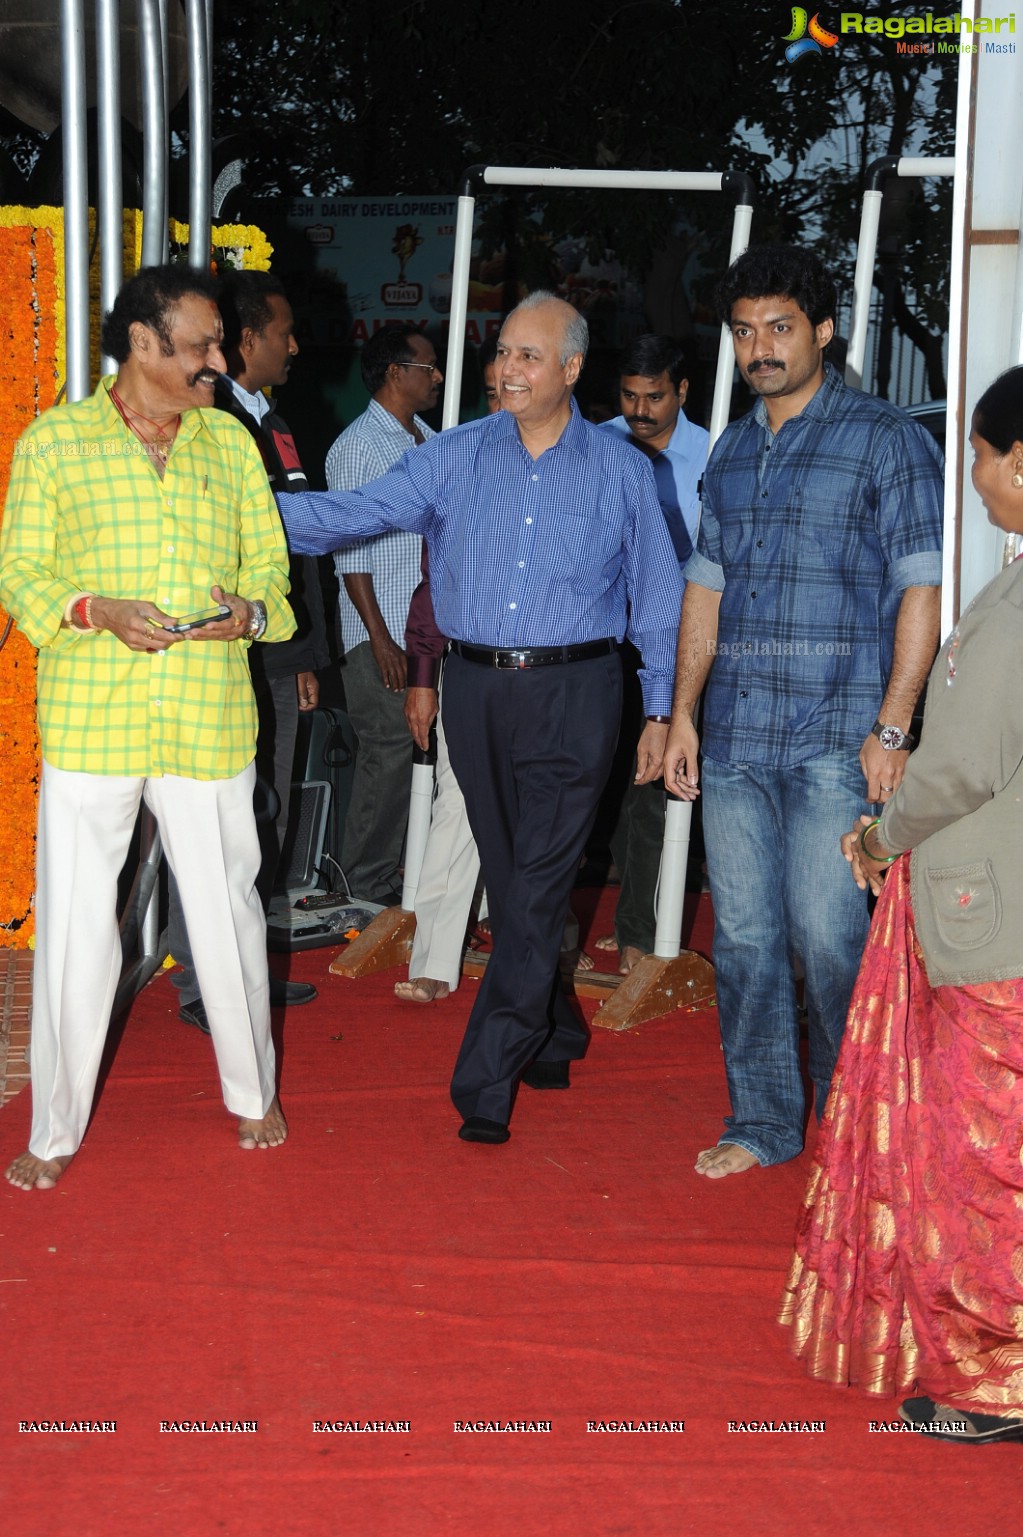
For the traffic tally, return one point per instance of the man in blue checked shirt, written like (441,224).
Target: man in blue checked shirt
(812,607)
(547,545)
(377,578)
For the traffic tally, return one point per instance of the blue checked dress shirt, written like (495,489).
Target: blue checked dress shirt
(569,548)
(368,448)
(811,536)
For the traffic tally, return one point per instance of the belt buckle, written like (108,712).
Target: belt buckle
(517,659)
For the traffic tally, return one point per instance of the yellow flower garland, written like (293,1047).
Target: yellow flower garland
(33,362)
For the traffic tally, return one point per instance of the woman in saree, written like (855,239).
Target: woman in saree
(908,1267)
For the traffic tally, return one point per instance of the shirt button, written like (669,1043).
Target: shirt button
(157,702)
(513,605)
(760,544)
(529,520)
(752,594)
(170,549)
(743,694)
(534,477)
(522,565)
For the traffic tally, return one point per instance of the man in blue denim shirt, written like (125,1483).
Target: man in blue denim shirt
(812,606)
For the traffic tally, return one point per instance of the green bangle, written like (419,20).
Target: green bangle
(879,859)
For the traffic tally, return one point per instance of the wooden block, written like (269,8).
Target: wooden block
(655,988)
(386,941)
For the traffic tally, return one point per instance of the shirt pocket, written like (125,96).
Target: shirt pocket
(581,541)
(207,525)
(966,903)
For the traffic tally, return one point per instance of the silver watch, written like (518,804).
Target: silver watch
(257,625)
(892,738)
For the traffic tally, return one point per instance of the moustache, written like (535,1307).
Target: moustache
(204,376)
(759,363)
(641,421)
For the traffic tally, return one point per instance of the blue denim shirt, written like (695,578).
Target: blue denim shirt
(811,536)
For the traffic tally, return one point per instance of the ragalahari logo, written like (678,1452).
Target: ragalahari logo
(799,43)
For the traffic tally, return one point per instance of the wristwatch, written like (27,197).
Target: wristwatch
(892,738)
(257,624)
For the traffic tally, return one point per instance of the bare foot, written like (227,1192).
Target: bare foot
(726,1158)
(575,960)
(606,942)
(271,1131)
(584,962)
(31,1173)
(630,955)
(421,990)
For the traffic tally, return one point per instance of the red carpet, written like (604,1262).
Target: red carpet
(377,1269)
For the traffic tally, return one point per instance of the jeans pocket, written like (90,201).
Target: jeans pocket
(967,904)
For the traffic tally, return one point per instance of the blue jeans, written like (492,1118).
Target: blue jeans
(781,890)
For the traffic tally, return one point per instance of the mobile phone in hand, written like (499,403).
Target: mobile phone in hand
(196,621)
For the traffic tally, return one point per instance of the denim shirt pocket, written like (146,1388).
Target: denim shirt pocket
(967,904)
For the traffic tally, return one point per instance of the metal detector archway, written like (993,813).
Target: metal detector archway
(668,979)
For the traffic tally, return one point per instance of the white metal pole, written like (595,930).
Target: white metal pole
(200,192)
(108,92)
(678,815)
(154,136)
(76,197)
(863,286)
(459,311)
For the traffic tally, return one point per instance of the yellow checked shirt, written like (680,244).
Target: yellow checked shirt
(86,512)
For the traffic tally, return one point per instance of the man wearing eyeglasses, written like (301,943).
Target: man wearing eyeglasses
(378,577)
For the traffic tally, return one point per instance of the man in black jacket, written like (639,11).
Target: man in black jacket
(259,346)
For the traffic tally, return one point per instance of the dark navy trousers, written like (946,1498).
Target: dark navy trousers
(531,750)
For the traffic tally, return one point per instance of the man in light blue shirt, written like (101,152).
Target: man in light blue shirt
(547,546)
(377,579)
(653,386)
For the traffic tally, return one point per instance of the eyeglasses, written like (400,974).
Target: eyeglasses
(431,368)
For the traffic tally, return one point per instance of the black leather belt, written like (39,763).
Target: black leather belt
(534,656)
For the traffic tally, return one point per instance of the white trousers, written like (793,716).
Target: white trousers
(447,882)
(209,835)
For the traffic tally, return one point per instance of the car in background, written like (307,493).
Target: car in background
(931,414)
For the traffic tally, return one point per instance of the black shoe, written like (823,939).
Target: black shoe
(958,1424)
(195,1014)
(546,1075)
(283,993)
(478,1129)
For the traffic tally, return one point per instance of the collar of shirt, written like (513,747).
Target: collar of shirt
(386,422)
(192,422)
(821,406)
(257,405)
(574,439)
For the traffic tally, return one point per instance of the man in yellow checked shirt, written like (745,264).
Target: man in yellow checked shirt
(127,513)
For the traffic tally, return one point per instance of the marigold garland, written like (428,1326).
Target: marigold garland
(33,364)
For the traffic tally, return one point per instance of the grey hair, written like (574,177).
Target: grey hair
(577,332)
